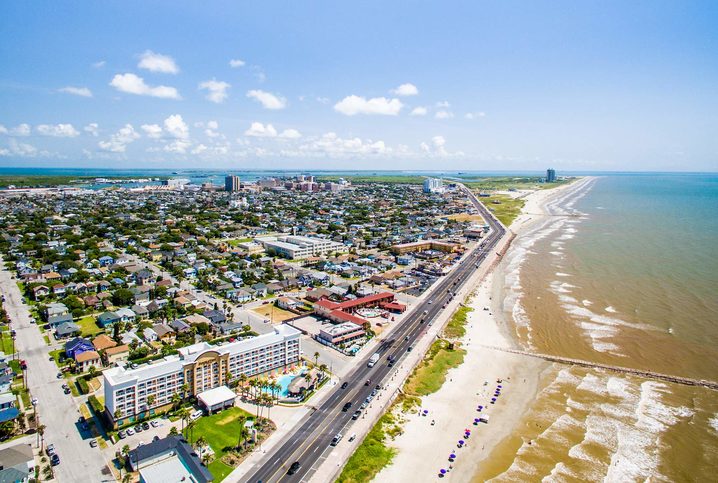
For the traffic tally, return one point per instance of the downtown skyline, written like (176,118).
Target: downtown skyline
(412,85)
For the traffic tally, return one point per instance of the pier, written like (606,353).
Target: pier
(687,381)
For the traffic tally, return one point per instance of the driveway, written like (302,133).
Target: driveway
(57,411)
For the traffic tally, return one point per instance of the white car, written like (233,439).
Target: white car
(130,431)
(34,401)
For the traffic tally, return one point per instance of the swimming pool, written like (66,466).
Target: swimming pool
(284,381)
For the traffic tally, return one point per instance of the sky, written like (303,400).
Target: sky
(406,85)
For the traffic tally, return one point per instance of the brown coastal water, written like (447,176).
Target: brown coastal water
(604,279)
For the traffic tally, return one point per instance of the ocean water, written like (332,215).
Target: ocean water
(624,271)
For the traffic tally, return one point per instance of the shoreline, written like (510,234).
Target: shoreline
(454,406)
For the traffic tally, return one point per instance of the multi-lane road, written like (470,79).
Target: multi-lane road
(310,439)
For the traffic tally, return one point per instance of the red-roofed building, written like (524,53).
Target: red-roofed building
(343,311)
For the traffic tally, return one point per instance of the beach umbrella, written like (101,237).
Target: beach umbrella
(442,471)
(461,442)
(452,456)
(499,386)
(426,411)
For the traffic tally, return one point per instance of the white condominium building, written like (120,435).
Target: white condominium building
(297,247)
(131,394)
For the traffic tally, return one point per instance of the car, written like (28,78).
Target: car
(346,406)
(50,449)
(154,423)
(138,428)
(93,443)
(363,405)
(377,387)
(145,425)
(408,349)
(156,438)
(373,393)
(130,431)
(59,375)
(122,435)
(352,437)
(391,363)
(431,302)
(406,338)
(196,415)
(34,401)
(55,460)
(335,440)
(66,390)
(368,381)
(356,414)
(294,468)
(344,385)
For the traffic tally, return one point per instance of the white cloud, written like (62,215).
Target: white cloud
(290,134)
(444,115)
(267,99)
(473,115)
(99,64)
(258,74)
(19,130)
(216,90)
(118,142)
(418,111)
(77,91)
(157,63)
(153,131)
(176,127)
(352,105)
(330,144)
(133,84)
(92,129)
(58,130)
(257,129)
(437,148)
(323,100)
(200,148)
(178,146)
(405,90)
(211,131)
(443,104)
(19,149)
(235,63)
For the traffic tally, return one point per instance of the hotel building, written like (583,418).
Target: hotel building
(197,368)
(297,247)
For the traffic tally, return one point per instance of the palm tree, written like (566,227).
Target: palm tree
(200,443)
(184,389)
(205,459)
(117,414)
(41,434)
(183,414)
(228,377)
(316,358)
(270,403)
(243,382)
(92,372)
(150,400)
(190,430)
(176,400)
(323,369)
(242,430)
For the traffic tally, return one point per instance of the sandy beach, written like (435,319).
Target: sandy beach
(423,449)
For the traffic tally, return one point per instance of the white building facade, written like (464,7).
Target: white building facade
(131,394)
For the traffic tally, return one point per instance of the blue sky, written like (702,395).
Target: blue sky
(608,85)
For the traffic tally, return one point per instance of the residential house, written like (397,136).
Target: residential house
(106,261)
(168,459)
(126,315)
(107,319)
(8,407)
(67,329)
(103,342)
(180,326)
(117,354)
(85,360)
(17,464)
(77,346)
(141,311)
(56,309)
(215,316)
(39,292)
(55,320)
(149,334)
(164,333)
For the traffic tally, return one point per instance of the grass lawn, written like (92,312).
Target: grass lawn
(274,313)
(56,356)
(236,241)
(89,326)
(456,329)
(221,431)
(507,208)
(7,342)
(430,375)
(372,454)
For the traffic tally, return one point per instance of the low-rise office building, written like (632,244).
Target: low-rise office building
(132,394)
(298,247)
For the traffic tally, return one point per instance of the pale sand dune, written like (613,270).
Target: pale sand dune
(423,449)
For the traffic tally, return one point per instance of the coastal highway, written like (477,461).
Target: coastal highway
(312,436)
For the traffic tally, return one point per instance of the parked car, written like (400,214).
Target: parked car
(138,429)
(50,449)
(344,385)
(335,440)
(55,459)
(154,423)
(196,415)
(347,406)
(122,435)
(130,431)
(93,443)
(356,414)
(145,425)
